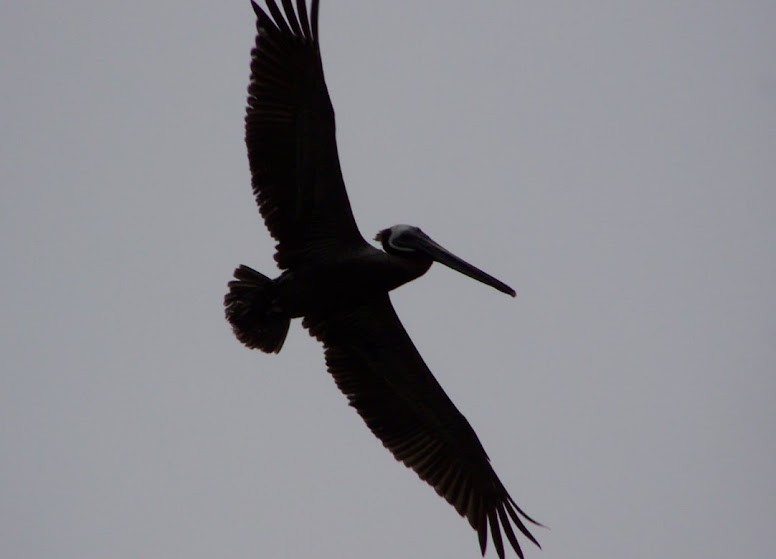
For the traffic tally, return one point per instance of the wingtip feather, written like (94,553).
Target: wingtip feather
(495,532)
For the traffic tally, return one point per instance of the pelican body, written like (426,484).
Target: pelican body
(338,283)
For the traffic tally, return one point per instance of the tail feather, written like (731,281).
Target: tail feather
(249,306)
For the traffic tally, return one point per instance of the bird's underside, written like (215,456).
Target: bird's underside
(339,284)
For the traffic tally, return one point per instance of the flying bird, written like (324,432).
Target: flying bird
(338,283)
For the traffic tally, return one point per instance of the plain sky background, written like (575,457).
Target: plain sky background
(613,161)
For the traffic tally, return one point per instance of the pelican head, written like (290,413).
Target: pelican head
(406,240)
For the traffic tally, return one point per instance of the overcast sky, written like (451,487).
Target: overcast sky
(613,161)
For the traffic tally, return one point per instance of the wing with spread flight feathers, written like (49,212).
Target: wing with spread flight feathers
(376,365)
(290,134)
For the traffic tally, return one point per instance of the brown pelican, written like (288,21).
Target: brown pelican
(338,283)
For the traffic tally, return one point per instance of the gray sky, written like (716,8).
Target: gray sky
(612,161)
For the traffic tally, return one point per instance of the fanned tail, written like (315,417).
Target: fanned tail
(251,309)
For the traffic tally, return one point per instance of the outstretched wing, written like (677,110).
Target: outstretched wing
(289,131)
(375,364)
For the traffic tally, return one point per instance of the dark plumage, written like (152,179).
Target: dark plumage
(339,284)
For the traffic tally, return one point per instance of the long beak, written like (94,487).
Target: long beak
(424,243)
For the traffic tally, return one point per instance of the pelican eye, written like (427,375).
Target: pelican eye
(399,234)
